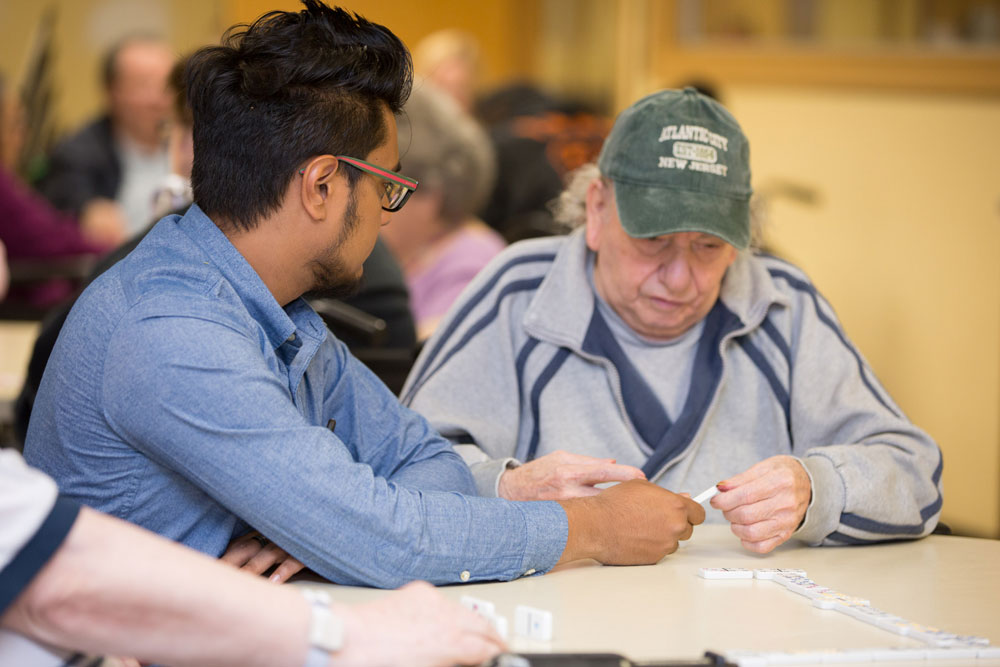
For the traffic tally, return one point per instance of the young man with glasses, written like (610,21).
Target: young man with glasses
(193,391)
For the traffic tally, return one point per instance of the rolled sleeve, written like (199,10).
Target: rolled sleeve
(827,502)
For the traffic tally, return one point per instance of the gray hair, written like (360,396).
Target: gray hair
(570,209)
(446,150)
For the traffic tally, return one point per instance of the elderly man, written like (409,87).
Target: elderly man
(651,342)
(106,173)
(193,391)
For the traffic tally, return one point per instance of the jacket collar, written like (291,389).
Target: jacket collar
(278,323)
(562,307)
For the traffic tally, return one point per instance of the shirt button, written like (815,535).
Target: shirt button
(291,338)
(529,572)
(465,575)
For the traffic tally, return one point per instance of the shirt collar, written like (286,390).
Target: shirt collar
(278,323)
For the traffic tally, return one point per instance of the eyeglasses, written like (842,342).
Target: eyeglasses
(398,188)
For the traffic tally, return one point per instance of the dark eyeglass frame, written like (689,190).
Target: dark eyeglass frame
(398,188)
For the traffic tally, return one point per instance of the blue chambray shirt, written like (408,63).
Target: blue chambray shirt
(181,397)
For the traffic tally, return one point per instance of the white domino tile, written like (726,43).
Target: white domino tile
(794,658)
(482,607)
(899,654)
(533,623)
(725,573)
(500,624)
(772,572)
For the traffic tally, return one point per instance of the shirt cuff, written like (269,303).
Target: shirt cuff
(827,503)
(547,532)
(37,551)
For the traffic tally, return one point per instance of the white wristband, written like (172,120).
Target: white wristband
(326,631)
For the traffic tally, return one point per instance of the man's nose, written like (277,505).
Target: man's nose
(675,271)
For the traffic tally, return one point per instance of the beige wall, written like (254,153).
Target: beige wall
(905,244)
(504,28)
(85,28)
(84,31)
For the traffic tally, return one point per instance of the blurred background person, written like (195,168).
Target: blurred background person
(437,238)
(174,191)
(539,138)
(450,61)
(36,236)
(107,172)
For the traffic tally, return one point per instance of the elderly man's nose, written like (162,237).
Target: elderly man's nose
(675,272)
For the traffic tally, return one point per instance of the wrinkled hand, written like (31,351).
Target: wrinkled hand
(423,628)
(561,475)
(247,553)
(766,503)
(632,523)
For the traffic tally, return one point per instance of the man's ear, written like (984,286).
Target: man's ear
(599,205)
(320,186)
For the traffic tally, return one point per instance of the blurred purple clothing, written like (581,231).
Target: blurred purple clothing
(32,229)
(461,256)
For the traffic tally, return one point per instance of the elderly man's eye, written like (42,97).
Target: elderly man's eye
(652,245)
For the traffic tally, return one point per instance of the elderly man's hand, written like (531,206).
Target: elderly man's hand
(766,503)
(415,625)
(561,475)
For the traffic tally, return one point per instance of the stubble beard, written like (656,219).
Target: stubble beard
(330,277)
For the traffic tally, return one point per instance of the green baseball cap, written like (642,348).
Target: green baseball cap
(680,163)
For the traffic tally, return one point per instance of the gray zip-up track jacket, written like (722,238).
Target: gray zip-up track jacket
(524,365)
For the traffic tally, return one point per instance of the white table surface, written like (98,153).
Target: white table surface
(667,611)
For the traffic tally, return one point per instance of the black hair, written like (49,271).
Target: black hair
(175,81)
(288,87)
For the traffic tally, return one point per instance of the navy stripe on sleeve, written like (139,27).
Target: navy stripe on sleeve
(842,539)
(779,342)
(519,364)
(37,551)
(804,286)
(473,301)
(522,361)
(536,393)
(872,526)
(780,393)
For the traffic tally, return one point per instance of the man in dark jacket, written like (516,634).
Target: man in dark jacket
(106,173)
